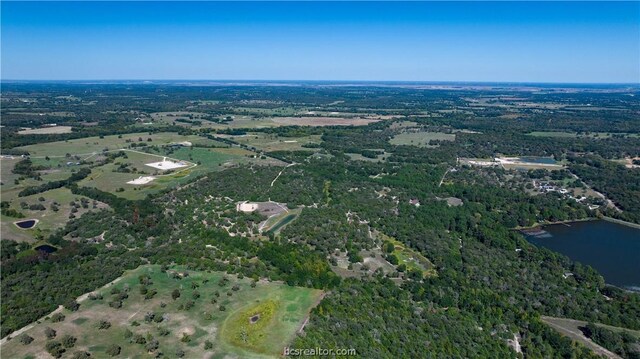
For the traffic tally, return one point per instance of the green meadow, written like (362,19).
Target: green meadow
(202,314)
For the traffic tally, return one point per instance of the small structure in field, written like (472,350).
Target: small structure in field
(246,207)
(167,164)
(142,180)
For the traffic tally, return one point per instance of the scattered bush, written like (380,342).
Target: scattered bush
(58,317)
(25,339)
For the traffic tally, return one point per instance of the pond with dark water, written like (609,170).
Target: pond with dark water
(26,224)
(46,248)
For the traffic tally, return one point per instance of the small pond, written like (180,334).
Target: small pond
(539,160)
(26,224)
(46,248)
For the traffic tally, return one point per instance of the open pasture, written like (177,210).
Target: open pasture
(271,142)
(197,160)
(109,177)
(179,310)
(240,118)
(8,179)
(324,121)
(359,157)
(84,147)
(421,138)
(217,159)
(49,219)
(46,130)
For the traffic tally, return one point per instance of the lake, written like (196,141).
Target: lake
(612,249)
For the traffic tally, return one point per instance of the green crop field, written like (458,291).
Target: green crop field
(237,318)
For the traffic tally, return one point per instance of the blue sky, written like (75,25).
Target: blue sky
(405,41)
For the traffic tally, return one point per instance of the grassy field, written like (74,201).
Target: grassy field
(199,160)
(49,220)
(244,321)
(324,121)
(9,188)
(59,170)
(409,257)
(359,157)
(87,146)
(107,179)
(46,130)
(420,139)
(240,119)
(272,142)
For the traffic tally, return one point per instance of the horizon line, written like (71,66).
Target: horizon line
(330,81)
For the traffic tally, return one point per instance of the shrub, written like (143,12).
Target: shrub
(54,348)
(69,341)
(113,350)
(50,333)
(139,339)
(72,305)
(81,354)
(25,339)
(58,317)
